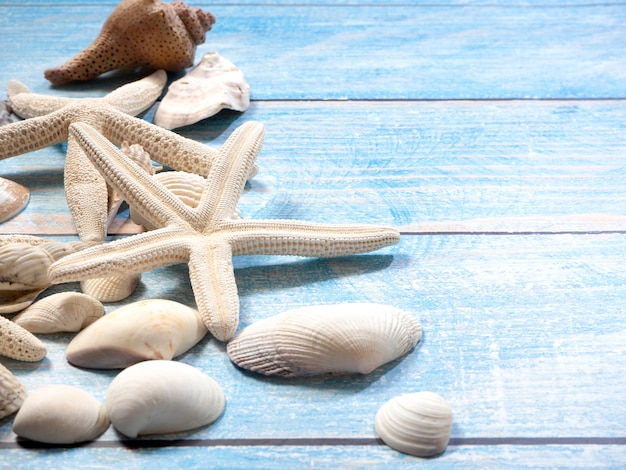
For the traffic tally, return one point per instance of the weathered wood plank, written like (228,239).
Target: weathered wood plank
(391,51)
(513,166)
(522,335)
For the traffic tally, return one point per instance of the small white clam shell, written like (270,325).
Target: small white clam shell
(60,414)
(65,311)
(12,392)
(111,289)
(140,331)
(158,397)
(214,84)
(341,338)
(13,198)
(417,423)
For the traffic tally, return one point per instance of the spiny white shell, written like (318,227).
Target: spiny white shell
(60,414)
(214,84)
(12,392)
(342,338)
(65,311)
(417,423)
(140,331)
(157,397)
(13,198)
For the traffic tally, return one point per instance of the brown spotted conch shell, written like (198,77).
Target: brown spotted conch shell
(146,33)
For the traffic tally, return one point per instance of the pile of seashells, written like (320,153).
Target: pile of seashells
(144,338)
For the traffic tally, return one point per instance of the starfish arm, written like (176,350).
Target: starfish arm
(164,146)
(150,198)
(33,134)
(26,104)
(229,172)
(214,287)
(135,97)
(133,255)
(297,238)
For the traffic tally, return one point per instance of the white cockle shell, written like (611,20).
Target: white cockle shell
(417,423)
(65,311)
(60,414)
(12,393)
(214,84)
(13,198)
(140,331)
(158,397)
(341,338)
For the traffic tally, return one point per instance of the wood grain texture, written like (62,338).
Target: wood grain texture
(490,134)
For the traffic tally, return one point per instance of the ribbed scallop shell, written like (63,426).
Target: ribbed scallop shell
(158,397)
(60,414)
(12,392)
(13,198)
(418,423)
(342,338)
(65,311)
(110,289)
(140,331)
(214,84)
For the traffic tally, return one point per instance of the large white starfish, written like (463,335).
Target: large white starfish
(206,237)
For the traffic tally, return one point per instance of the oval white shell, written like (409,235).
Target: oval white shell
(342,338)
(13,198)
(214,84)
(12,392)
(418,423)
(158,397)
(140,331)
(65,311)
(60,414)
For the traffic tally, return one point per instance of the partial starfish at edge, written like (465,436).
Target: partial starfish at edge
(205,237)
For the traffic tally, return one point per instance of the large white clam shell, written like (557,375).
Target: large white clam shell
(417,423)
(158,397)
(341,338)
(214,84)
(140,331)
(60,414)
(65,311)
(12,392)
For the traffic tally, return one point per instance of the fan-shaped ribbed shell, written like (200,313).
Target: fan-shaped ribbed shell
(140,331)
(417,423)
(12,393)
(13,198)
(60,414)
(110,289)
(214,84)
(157,397)
(65,311)
(342,338)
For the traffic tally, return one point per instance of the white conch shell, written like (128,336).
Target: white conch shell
(342,338)
(188,187)
(13,198)
(157,397)
(214,84)
(12,393)
(65,311)
(417,423)
(140,331)
(24,269)
(60,414)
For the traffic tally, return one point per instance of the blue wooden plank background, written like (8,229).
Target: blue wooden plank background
(490,135)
